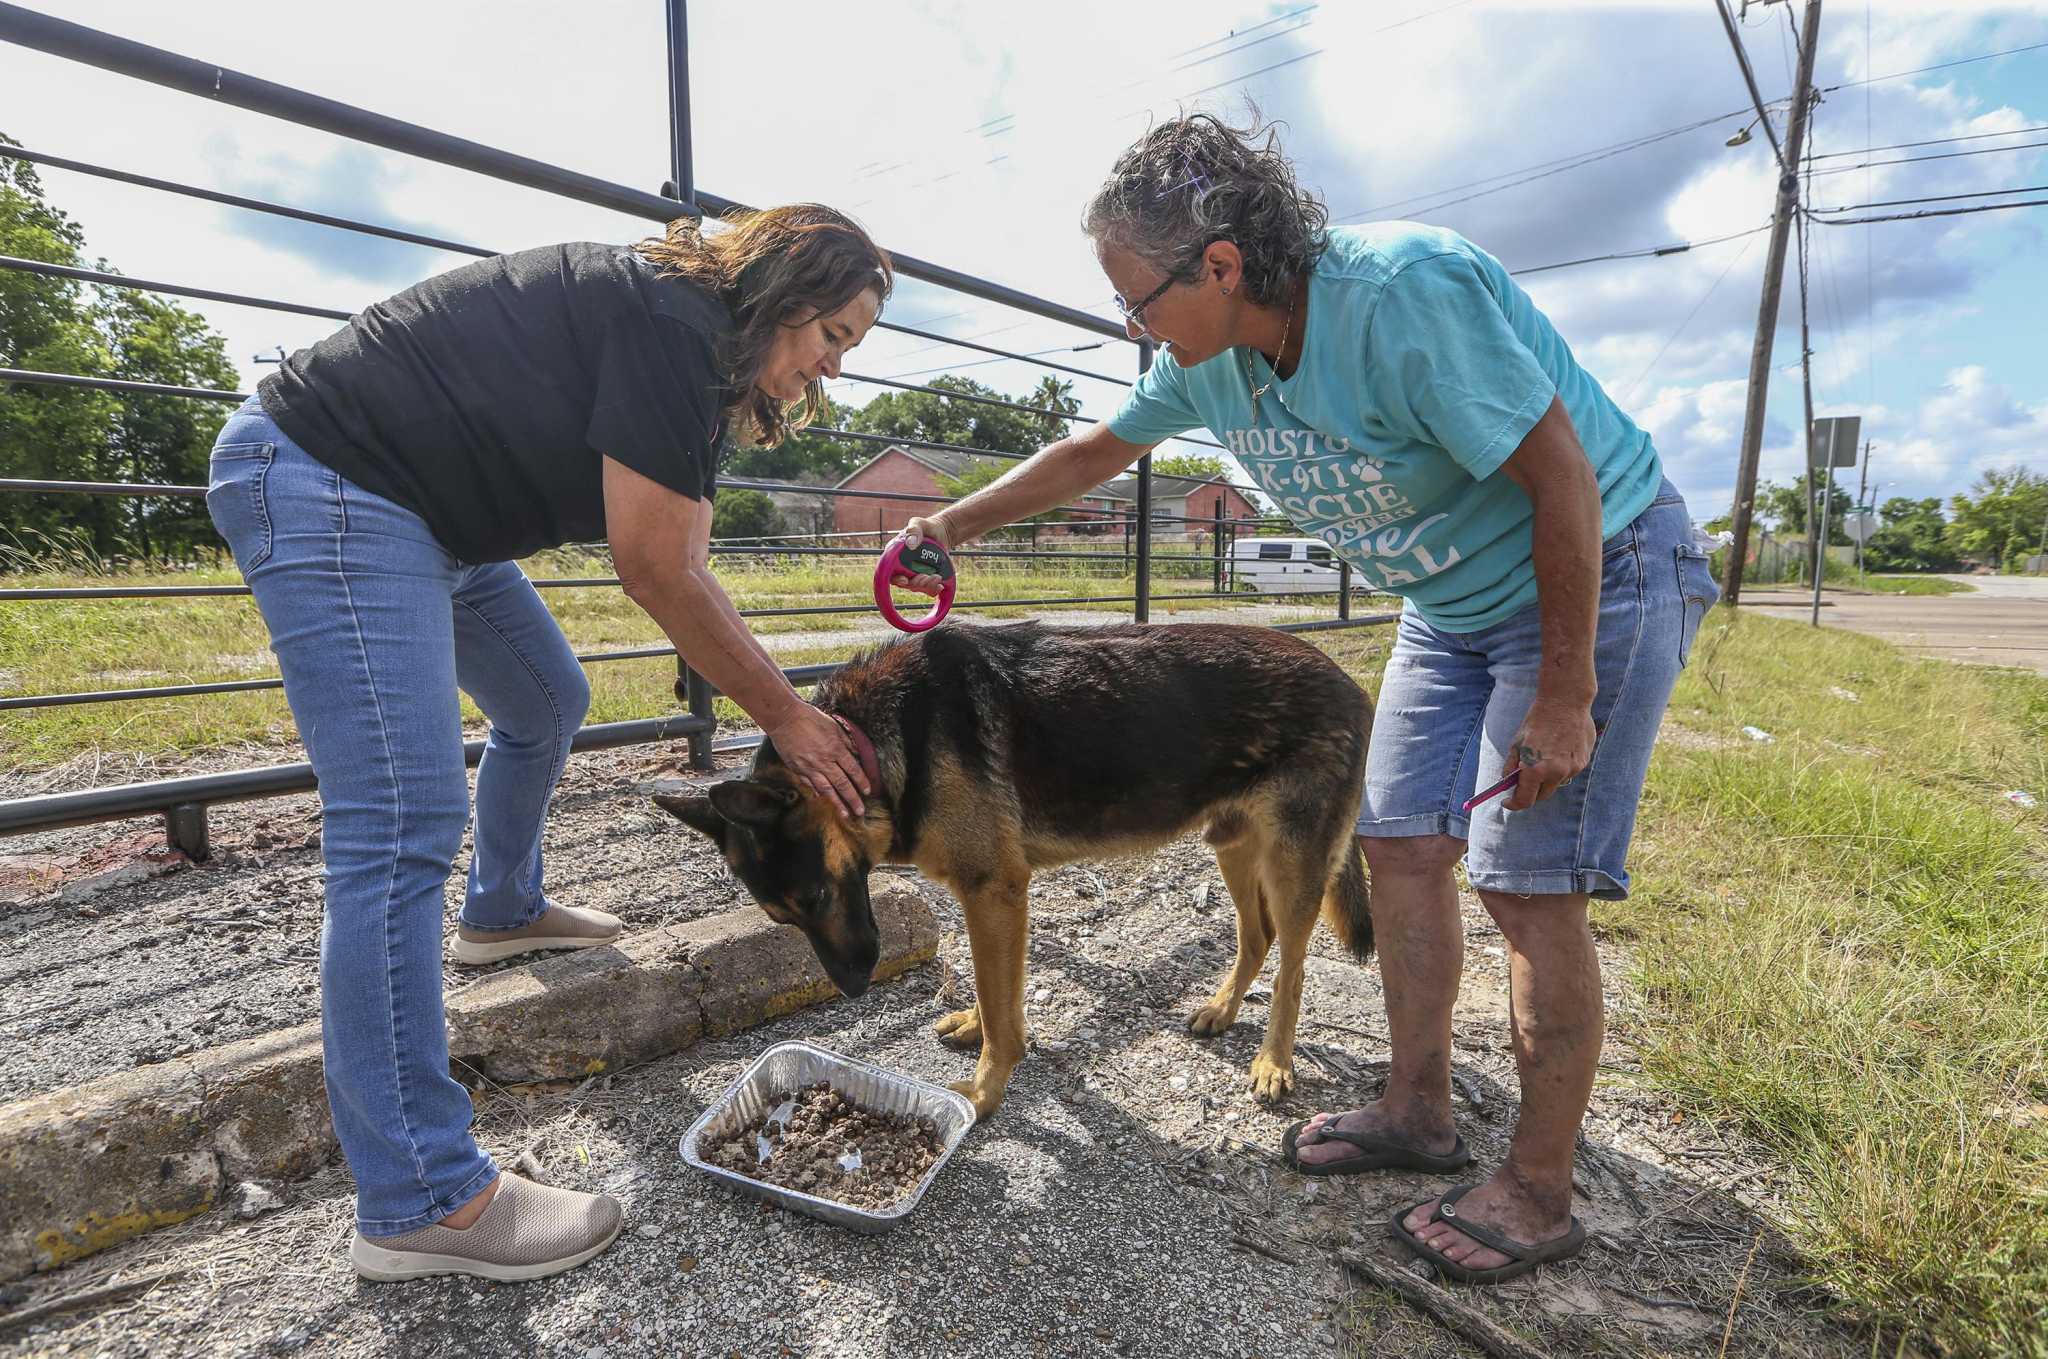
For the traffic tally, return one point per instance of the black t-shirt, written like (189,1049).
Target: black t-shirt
(485,400)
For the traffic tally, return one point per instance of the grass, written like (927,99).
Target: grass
(1904,585)
(73,646)
(1843,940)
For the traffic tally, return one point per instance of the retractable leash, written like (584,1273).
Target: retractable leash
(926,559)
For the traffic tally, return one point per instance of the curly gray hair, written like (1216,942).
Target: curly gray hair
(1195,180)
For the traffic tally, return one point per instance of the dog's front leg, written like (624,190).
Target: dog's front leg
(998,924)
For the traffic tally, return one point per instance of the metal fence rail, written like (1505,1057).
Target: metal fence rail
(183,801)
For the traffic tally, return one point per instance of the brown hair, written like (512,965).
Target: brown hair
(773,267)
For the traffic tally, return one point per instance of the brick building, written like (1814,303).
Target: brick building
(916,471)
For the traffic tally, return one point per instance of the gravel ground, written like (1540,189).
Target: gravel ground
(1124,1200)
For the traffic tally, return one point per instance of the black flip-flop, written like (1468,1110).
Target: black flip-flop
(1376,1151)
(1522,1255)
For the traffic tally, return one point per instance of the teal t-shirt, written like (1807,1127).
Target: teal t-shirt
(1424,367)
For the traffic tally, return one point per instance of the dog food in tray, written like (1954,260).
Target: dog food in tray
(772,1088)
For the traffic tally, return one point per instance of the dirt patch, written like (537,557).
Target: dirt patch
(1126,1199)
(817,1141)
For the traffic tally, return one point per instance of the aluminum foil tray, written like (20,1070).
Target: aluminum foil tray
(789,1066)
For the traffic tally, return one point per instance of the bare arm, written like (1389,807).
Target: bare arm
(1056,475)
(661,548)
(1556,738)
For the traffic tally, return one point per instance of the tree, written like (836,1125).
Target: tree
(1912,537)
(805,456)
(165,439)
(934,418)
(744,514)
(1786,508)
(72,434)
(1200,466)
(2000,523)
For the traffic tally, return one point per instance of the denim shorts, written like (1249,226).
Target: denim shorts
(1451,702)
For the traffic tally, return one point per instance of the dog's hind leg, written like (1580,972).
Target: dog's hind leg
(1239,860)
(998,924)
(1292,879)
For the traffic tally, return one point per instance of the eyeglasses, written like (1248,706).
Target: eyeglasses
(1136,315)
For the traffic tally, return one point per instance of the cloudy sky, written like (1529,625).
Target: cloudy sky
(971,134)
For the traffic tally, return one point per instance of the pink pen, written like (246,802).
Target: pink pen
(1510,781)
(1514,775)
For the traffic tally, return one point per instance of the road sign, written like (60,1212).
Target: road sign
(1859,525)
(1833,443)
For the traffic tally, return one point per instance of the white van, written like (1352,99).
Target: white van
(1284,566)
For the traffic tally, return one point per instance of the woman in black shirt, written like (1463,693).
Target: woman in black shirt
(375,494)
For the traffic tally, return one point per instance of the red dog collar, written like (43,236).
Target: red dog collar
(865,748)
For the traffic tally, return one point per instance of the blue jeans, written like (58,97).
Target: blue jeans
(1451,702)
(375,628)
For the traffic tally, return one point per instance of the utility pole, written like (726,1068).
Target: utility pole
(1767,315)
(1862,490)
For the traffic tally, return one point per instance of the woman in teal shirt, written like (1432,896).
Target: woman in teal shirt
(1398,396)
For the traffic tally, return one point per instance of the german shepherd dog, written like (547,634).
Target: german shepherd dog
(1005,749)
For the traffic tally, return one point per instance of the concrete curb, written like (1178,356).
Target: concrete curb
(84,1168)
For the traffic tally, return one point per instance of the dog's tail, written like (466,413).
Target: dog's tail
(1347,902)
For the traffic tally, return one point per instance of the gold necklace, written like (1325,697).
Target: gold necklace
(1280,354)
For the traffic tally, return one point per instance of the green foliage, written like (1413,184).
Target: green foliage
(66,434)
(1912,536)
(805,455)
(2002,522)
(744,514)
(935,419)
(1201,466)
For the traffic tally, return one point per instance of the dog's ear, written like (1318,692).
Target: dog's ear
(746,803)
(693,811)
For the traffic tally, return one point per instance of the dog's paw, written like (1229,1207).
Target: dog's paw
(962,1027)
(1212,1019)
(1271,1082)
(985,1103)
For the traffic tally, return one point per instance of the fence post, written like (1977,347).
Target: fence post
(694,692)
(1143,610)
(1343,587)
(185,828)
(1216,551)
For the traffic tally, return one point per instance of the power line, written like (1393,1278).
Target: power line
(1933,198)
(1936,141)
(1740,255)
(1932,212)
(1647,252)
(1942,155)
(1544,168)
(1938,66)
(1240,32)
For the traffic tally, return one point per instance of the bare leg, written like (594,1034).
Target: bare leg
(1421,945)
(1555,1009)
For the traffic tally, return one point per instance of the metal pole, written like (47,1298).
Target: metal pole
(1862,490)
(1817,548)
(1827,496)
(1767,313)
(682,185)
(1216,549)
(1142,610)
(1343,587)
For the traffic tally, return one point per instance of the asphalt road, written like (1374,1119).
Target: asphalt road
(2003,620)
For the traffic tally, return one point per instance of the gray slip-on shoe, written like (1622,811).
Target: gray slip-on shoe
(562,927)
(526,1231)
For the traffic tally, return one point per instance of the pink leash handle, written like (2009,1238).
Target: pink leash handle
(926,559)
